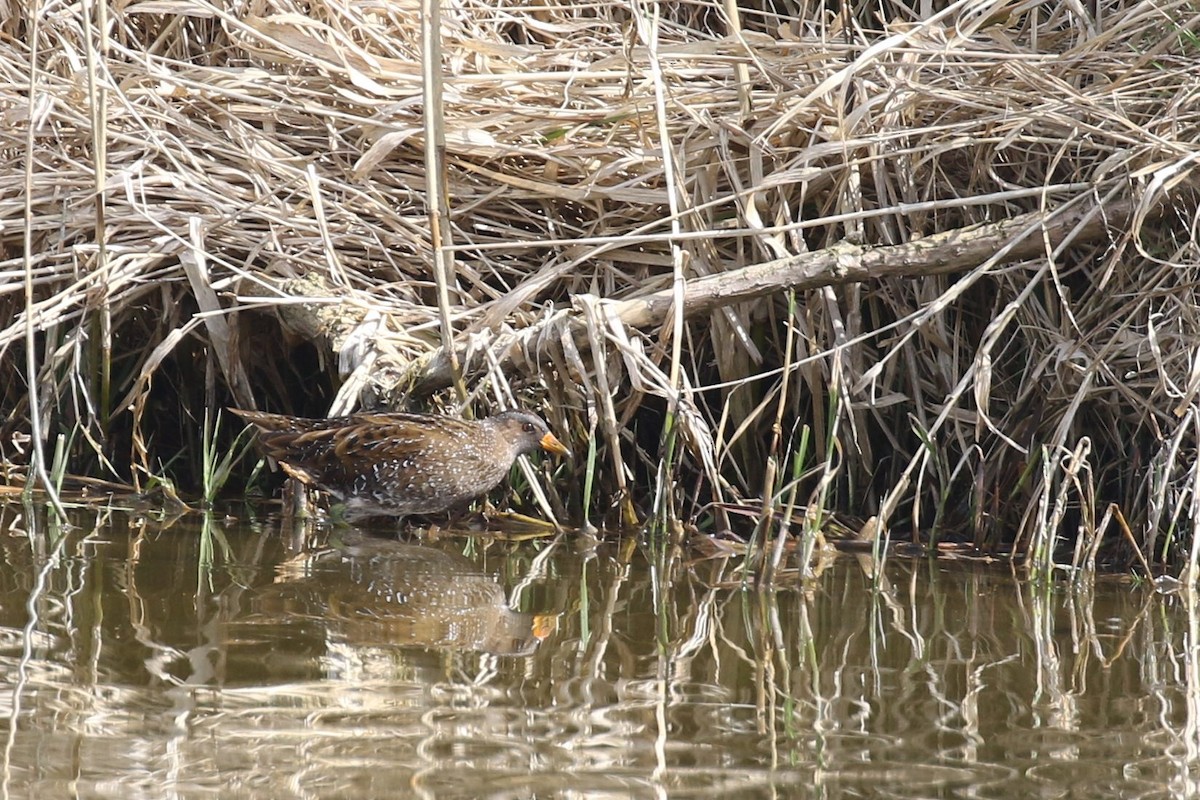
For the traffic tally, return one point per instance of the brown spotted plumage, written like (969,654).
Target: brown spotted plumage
(396,464)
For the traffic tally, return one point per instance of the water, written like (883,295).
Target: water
(227,660)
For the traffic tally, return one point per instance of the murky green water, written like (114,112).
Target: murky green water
(475,668)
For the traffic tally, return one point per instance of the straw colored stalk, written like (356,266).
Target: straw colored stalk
(272,157)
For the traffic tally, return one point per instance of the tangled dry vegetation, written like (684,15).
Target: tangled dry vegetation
(932,266)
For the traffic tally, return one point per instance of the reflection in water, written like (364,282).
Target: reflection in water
(200,660)
(370,591)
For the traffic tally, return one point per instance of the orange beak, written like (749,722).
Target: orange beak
(551,444)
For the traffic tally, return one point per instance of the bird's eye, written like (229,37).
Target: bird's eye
(528,427)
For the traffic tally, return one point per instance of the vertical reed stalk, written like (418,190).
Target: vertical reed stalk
(811,531)
(1041,544)
(100,362)
(37,443)
(589,474)
(648,23)
(435,172)
(771,565)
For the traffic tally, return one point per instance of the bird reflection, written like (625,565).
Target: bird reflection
(370,591)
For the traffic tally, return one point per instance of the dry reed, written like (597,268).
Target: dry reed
(988,213)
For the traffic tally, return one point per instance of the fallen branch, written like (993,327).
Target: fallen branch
(953,251)
(1019,238)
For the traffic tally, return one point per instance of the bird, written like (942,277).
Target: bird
(397,464)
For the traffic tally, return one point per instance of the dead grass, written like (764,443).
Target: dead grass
(230,205)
